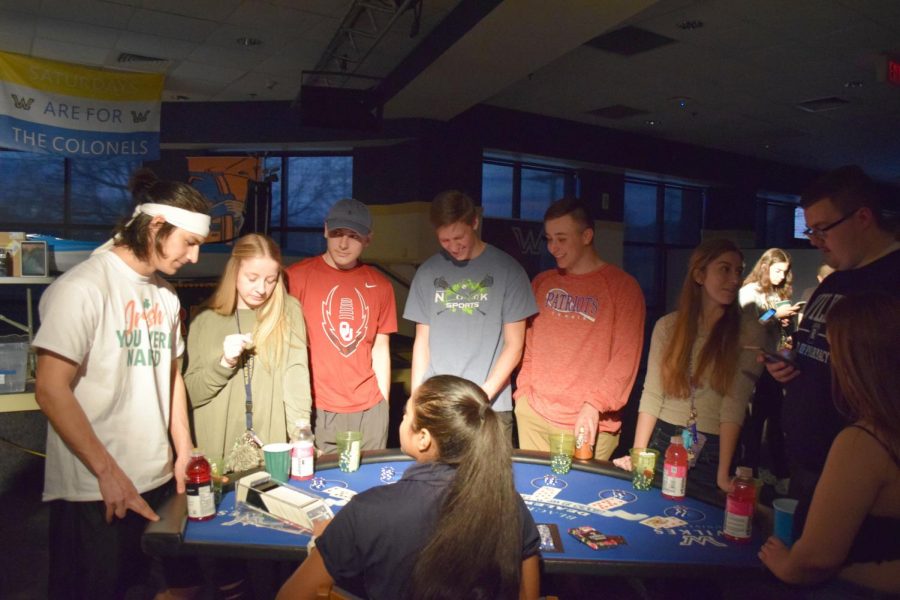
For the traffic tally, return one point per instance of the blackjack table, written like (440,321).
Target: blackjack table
(655,536)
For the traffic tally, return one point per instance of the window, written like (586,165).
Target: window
(77,199)
(497,190)
(518,190)
(658,216)
(306,189)
(33,190)
(784,222)
(540,188)
(99,193)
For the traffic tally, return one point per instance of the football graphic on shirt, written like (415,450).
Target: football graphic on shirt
(345,318)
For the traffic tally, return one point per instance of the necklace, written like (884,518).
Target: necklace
(247,361)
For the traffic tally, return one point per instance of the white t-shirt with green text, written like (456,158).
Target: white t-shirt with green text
(123,330)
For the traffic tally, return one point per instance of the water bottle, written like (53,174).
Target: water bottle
(739,506)
(675,470)
(201,502)
(303,451)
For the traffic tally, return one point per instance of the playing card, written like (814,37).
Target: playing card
(545,492)
(663,522)
(607,503)
(656,522)
(340,492)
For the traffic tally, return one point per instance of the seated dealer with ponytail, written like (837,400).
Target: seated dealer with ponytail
(452,527)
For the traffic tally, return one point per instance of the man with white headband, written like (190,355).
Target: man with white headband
(108,382)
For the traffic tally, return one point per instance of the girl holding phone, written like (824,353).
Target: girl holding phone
(767,292)
(699,377)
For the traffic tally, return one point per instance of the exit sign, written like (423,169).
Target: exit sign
(893,71)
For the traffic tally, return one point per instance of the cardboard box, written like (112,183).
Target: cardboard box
(12,240)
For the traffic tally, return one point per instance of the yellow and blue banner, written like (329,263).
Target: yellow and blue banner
(54,107)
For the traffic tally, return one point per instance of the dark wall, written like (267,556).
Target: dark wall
(407,160)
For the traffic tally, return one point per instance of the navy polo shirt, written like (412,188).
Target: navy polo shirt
(371,546)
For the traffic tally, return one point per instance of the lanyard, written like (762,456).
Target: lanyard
(689,434)
(247,369)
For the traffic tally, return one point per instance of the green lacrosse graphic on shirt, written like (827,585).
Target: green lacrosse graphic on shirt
(465,296)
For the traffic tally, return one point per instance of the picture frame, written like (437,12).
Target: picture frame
(34,258)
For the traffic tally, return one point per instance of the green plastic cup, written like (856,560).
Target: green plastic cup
(349,444)
(643,464)
(562,448)
(278,460)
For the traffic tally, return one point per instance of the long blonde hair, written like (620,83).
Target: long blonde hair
(720,352)
(272,322)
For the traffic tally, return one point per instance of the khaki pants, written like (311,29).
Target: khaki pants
(373,423)
(533,431)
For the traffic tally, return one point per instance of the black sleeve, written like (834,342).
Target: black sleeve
(531,539)
(339,545)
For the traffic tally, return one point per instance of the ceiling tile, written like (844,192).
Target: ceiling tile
(151,45)
(191,70)
(240,57)
(216,10)
(83,33)
(96,12)
(194,89)
(17,43)
(69,52)
(171,26)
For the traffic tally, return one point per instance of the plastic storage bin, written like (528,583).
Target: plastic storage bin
(13,363)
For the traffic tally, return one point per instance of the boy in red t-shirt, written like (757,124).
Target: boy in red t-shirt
(350,312)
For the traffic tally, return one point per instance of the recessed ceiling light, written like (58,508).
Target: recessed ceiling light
(853,84)
(690,24)
(652,122)
(249,41)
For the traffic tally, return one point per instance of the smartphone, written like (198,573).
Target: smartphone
(764,318)
(772,357)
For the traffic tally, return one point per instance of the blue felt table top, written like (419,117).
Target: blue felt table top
(565,500)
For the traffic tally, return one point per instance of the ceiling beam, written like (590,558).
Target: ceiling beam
(514,39)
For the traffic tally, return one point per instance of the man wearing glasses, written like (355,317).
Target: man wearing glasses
(843,211)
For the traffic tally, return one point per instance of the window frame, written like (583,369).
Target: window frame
(571,185)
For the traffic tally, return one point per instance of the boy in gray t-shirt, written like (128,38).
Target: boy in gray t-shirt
(469,303)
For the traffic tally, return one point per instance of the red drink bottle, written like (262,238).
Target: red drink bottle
(675,470)
(739,506)
(201,501)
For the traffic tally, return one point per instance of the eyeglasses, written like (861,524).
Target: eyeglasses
(819,232)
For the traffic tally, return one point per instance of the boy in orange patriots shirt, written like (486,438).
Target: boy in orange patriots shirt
(583,348)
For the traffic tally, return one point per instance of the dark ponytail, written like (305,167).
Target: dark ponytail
(476,549)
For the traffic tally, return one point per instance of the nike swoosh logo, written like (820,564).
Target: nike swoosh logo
(370,285)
